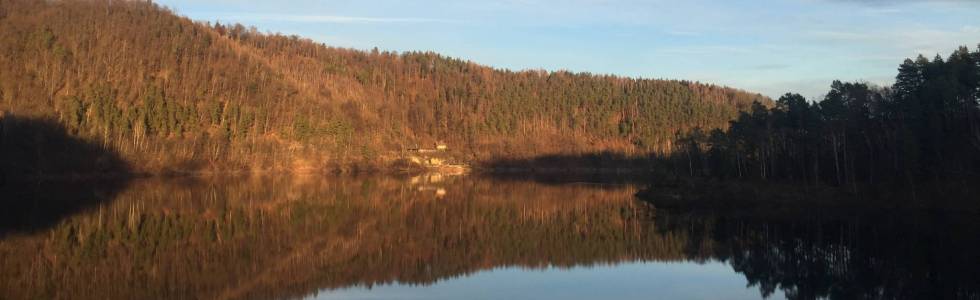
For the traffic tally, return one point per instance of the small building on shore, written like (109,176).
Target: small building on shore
(436,147)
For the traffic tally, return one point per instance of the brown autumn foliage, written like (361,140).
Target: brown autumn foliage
(277,238)
(169,93)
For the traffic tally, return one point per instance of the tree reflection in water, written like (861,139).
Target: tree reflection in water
(286,238)
(905,256)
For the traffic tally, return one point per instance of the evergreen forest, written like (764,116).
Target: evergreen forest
(924,128)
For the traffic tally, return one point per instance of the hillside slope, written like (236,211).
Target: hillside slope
(168,93)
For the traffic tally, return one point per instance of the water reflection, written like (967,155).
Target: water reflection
(32,150)
(839,256)
(624,281)
(261,238)
(32,206)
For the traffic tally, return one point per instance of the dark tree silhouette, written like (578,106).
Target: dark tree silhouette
(926,127)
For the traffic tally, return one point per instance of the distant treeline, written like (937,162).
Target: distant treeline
(166,92)
(925,127)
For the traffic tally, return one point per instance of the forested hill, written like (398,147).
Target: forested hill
(166,92)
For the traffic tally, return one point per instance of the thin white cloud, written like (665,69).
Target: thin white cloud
(704,50)
(769,67)
(682,33)
(327,19)
(898,2)
(922,40)
(844,36)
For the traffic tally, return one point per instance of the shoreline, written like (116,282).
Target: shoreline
(663,192)
(348,170)
(744,197)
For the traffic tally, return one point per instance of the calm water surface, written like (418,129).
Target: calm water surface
(433,237)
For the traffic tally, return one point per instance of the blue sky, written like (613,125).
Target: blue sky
(766,46)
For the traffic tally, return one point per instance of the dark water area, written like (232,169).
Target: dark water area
(436,237)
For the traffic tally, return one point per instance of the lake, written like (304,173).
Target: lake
(470,237)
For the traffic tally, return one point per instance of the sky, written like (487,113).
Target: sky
(766,46)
